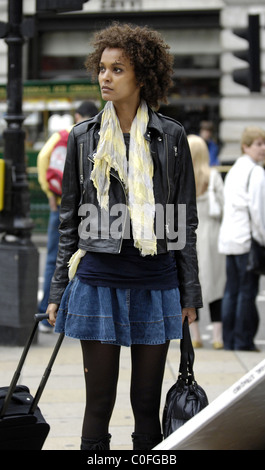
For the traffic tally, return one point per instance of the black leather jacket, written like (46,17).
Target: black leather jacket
(174,188)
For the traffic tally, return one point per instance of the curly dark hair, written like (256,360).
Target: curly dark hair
(148,54)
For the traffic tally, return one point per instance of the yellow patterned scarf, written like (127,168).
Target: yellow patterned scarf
(136,174)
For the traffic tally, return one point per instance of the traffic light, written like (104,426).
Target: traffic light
(59,6)
(250,76)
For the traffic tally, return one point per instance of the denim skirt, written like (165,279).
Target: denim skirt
(119,316)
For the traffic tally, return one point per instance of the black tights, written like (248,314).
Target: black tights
(101,366)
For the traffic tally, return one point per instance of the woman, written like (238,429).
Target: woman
(122,169)
(244,192)
(210,200)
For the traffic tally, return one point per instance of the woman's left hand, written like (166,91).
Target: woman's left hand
(190,313)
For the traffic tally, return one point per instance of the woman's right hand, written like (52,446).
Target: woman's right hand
(52,312)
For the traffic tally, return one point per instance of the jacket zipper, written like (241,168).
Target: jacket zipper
(81,171)
(81,146)
(123,228)
(117,178)
(168,183)
(168,197)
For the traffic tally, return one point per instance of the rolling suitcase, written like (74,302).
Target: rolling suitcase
(22,426)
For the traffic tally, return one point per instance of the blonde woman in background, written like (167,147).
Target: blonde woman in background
(209,194)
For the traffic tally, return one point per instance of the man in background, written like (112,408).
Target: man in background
(206,133)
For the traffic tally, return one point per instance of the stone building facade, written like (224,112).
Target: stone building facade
(200,34)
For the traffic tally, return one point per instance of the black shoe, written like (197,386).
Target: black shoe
(102,443)
(145,441)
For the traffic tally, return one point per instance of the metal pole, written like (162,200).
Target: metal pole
(19,258)
(15,217)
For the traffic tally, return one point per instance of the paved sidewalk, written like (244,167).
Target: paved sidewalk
(62,402)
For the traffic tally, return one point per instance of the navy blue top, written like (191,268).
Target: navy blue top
(128,269)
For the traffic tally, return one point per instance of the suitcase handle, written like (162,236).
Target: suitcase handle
(38,317)
(41,316)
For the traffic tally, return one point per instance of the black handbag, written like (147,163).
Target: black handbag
(256,257)
(185,398)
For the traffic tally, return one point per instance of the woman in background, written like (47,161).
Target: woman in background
(210,199)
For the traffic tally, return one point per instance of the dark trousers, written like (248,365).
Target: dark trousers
(52,249)
(239,312)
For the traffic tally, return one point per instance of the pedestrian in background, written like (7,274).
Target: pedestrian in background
(244,192)
(210,200)
(206,132)
(86,110)
(127,289)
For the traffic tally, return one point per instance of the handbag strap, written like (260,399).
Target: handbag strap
(249,175)
(247,189)
(187,354)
